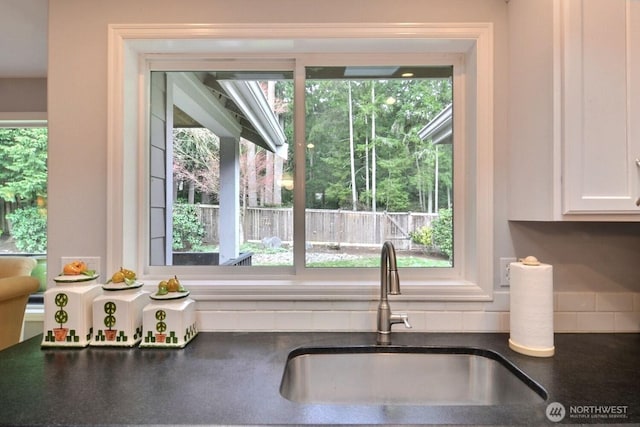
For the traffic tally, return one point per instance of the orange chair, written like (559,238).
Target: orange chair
(16,285)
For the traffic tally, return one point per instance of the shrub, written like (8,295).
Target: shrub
(422,236)
(188,231)
(443,232)
(29,229)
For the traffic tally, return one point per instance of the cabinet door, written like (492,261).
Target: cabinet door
(601,112)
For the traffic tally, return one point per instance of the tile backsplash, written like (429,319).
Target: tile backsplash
(573,312)
(597,312)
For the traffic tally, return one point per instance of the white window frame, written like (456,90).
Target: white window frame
(134,48)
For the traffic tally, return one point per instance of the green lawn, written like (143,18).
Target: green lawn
(374,261)
(365,260)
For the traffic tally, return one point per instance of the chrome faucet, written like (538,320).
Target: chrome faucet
(389,284)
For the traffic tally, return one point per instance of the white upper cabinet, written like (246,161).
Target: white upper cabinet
(601,80)
(574,120)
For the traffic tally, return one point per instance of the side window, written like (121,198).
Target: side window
(23,194)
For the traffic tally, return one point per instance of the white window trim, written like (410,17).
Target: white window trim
(130,47)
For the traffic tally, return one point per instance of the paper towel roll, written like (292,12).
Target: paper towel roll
(531,317)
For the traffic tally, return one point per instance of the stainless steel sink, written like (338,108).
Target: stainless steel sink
(399,375)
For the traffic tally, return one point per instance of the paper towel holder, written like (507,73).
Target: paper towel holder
(534,312)
(530,351)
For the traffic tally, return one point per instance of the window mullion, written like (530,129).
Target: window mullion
(299,131)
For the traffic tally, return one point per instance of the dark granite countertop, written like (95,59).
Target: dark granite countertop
(234,378)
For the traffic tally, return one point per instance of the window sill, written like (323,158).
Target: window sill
(265,290)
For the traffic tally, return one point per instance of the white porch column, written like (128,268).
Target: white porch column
(229,217)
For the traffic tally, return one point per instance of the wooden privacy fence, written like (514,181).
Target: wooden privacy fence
(343,227)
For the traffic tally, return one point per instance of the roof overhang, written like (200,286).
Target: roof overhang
(250,99)
(204,109)
(440,129)
(237,108)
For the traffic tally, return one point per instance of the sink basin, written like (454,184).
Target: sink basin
(399,375)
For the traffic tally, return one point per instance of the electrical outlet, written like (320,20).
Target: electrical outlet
(504,270)
(93,263)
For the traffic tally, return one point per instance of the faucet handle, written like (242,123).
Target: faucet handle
(405,320)
(401,317)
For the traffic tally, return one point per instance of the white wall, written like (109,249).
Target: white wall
(77,88)
(77,114)
(23,95)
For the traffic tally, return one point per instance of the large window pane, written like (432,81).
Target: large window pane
(379,166)
(221,182)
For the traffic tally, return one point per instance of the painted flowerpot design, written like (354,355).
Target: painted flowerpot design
(61,317)
(60,334)
(110,320)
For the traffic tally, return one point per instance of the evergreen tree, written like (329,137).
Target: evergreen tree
(23,170)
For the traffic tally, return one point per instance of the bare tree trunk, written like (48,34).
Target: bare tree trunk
(419,184)
(373,149)
(252,185)
(354,193)
(175,188)
(268,183)
(277,179)
(367,183)
(3,219)
(192,192)
(437,182)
